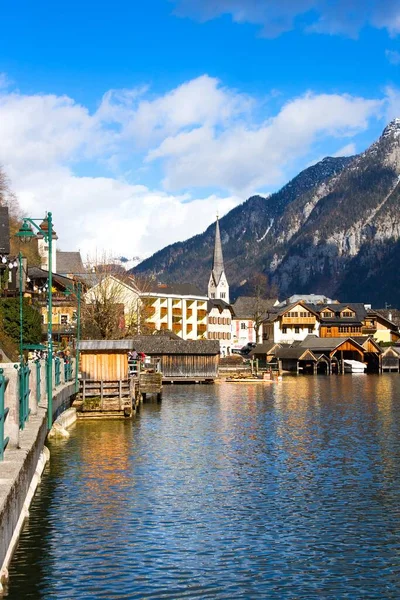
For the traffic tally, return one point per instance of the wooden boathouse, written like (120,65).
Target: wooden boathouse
(107,388)
(181,361)
(327,355)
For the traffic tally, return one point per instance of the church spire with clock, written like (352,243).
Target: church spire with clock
(218,288)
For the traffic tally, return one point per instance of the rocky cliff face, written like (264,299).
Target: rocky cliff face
(334,229)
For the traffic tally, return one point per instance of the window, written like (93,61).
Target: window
(64,319)
(242,325)
(347,313)
(212,295)
(294,314)
(219,320)
(223,294)
(284,329)
(310,330)
(297,329)
(327,314)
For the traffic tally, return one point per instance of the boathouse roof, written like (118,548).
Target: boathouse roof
(152,345)
(106,345)
(158,344)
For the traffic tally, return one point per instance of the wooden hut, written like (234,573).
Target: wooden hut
(181,360)
(105,360)
(265,353)
(391,359)
(297,359)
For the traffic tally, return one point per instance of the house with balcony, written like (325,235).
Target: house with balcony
(180,308)
(381,327)
(290,323)
(64,306)
(342,320)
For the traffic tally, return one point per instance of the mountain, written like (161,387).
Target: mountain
(333,229)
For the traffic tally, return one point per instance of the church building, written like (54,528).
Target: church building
(219,310)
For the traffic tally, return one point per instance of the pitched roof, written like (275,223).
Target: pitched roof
(360,312)
(69,263)
(296,352)
(154,345)
(98,345)
(220,304)
(391,315)
(264,348)
(218,259)
(37,273)
(245,307)
(328,344)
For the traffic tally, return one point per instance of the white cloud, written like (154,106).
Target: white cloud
(277,16)
(246,157)
(200,135)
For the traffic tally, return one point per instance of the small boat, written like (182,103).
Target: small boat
(354,366)
(252,380)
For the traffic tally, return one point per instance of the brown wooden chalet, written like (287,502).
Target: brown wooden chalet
(341,320)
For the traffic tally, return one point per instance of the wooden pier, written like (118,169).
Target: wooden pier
(110,385)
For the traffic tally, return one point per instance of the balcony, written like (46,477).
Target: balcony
(67,328)
(177,327)
(189,313)
(298,320)
(177,312)
(201,328)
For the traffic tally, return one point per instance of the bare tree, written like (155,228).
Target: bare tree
(262,293)
(113,307)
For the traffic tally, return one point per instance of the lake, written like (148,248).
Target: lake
(225,491)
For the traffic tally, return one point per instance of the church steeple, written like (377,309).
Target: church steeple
(218,287)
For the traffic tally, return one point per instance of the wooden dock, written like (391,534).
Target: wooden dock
(111,399)
(150,384)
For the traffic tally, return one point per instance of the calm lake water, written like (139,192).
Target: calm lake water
(290,490)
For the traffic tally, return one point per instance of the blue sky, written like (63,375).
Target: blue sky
(135,122)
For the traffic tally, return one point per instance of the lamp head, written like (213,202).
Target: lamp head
(25,233)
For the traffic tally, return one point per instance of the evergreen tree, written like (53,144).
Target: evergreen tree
(32,322)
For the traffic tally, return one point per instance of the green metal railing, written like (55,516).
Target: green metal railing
(57,375)
(3,414)
(67,371)
(38,380)
(24,393)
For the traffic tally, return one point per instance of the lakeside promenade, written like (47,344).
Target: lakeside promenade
(25,455)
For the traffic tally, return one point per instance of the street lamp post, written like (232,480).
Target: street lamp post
(21,315)
(45,230)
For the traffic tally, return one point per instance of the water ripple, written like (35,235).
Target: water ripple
(224,492)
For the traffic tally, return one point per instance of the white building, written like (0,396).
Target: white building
(219,309)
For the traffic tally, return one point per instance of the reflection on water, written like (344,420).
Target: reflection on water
(290,490)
